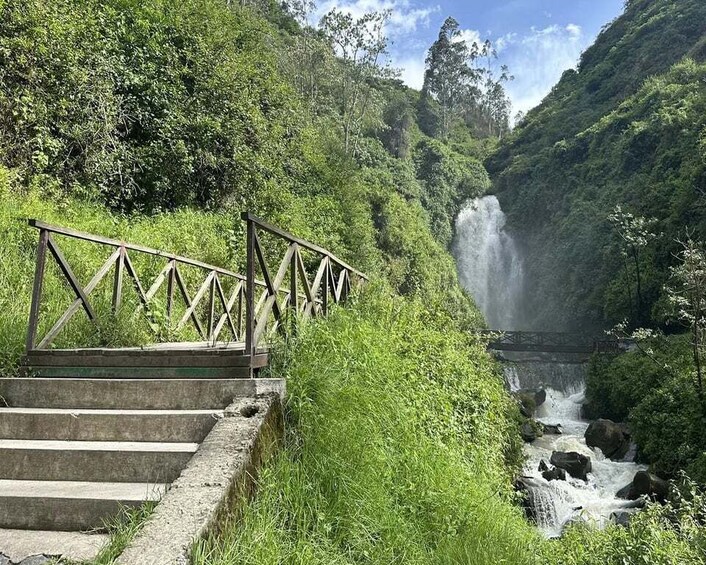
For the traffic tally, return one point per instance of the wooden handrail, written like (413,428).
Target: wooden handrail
(247,316)
(326,283)
(248,217)
(76,234)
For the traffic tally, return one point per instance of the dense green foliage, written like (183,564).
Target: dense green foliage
(159,121)
(673,534)
(626,128)
(653,390)
(397,439)
(177,116)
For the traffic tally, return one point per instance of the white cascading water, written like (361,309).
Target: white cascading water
(490,268)
(556,503)
(488,262)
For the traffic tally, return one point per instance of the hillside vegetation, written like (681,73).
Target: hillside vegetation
(159,122)
(625,128)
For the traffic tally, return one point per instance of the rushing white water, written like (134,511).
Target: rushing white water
(489,265)
(555,503)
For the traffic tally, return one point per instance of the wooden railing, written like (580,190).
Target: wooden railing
(244,315)
(303,296)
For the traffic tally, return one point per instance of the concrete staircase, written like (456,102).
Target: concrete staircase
(73,451)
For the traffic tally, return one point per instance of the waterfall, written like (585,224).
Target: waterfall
(488,262)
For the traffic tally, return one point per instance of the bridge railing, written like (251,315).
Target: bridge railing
(210,310)
(225,307)
(291,289)
(549,342)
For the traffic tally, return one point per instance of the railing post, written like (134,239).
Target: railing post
(170,291)
(37,289)
(294,284)
(212,306)
(325,286)
(118,281)
(250,287)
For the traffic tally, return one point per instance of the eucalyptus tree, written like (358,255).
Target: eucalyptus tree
(450,77)
(635,233)
(687,293)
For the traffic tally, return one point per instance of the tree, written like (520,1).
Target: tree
(449,77)
(635,233)
(361,44)
(687,294)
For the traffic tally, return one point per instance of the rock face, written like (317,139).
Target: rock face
(609,437)
(576,464)
(645,484)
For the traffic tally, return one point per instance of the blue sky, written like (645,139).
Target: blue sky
(537,39)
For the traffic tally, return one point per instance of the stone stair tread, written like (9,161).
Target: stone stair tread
(79,546)
(107,411)
(81,490)
(124,446)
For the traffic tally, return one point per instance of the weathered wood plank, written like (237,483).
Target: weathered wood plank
(37,290)
(71,278)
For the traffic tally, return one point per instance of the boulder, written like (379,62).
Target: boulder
(540,397)
(645,484)
(650,485)
(625,493)
(609,437)
(528,432)
(621,518)
(576,464)
(555,474)
(552,429)
(529,399)
(543,465)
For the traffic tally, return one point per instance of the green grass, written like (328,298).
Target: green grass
(396,452)
(122,529)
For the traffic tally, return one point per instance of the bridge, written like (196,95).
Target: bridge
(225,325)
(548,342)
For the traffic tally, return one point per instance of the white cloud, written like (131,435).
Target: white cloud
(470,36)
(412,70)
(404,19)
(574,30)
(538,59)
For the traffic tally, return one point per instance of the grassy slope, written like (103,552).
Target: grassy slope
(397,430)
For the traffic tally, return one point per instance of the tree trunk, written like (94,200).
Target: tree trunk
(638,290)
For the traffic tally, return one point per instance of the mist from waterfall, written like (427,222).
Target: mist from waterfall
(489,264)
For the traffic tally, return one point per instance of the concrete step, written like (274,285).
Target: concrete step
(131,394)
(46,460)
(68,505)
(76,546)
(84,424)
